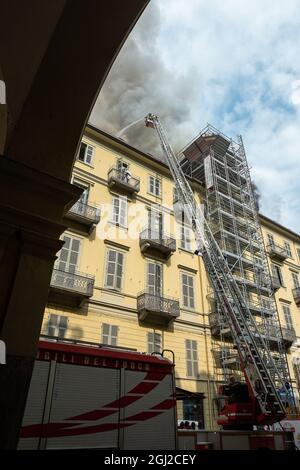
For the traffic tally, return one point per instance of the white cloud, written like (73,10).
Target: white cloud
(295,95)
(233,63)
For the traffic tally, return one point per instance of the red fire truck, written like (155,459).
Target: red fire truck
(82,396)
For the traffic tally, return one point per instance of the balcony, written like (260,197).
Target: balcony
(288,336)
(86,216)
(296,294)
(153,242)
(217,326)
(226,359)
(277,252)
(117,179)
(70,289)
(157,310)
(272,335)
(275,283)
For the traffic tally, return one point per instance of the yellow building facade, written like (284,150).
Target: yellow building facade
(127,275)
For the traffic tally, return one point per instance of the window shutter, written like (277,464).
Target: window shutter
(157,187)
(114,335)
(154,342)
(119,270)
(63,324)
(154,284)
(151,278)
(89,154)
(114,269)
(68,255)
(295,280)
(109,334)
(105,333)
(52,324)
(287,316)
(115,210)
(110,270)
(151,184)
(188,290)
(123,212)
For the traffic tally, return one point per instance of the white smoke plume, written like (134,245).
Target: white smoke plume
(139,82)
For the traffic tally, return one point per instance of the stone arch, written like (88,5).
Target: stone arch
(55,57)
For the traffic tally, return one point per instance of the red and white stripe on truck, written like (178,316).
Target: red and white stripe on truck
(87,397)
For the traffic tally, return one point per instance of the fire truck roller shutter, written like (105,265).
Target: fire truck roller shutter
(152,417)
(80,400)
(34,410)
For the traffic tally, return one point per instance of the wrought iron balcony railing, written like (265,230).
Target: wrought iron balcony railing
(277,251)
(163,308)
(76,282)
(288,335)
(154,239)
(122,179)
(86,212)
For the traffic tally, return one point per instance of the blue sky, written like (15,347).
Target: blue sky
(234,64)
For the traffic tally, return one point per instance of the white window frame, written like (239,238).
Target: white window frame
(154,342)
(57,327)
(119,202)
(191,304)
(89,147)
(114,285)
(156,184)
(191,351)
(112,339)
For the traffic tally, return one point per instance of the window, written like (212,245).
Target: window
(154,278)
(287,247)
(287,316)
(154,342)
(295,279)
(155,223)
(86,153)
(80,205)
(193,411)
(191,358)
(122,166)
(188,290)
(68,256)
(276,273)
(154,186)
(298,252)
(270,239)
(119,211)
(57,325)
(109,334)
(185,238)
(114,269)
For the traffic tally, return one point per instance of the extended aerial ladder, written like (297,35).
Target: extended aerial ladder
(262,375)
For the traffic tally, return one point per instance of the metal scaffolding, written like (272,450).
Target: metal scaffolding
(231,211)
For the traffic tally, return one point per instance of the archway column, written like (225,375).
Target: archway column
(32,205)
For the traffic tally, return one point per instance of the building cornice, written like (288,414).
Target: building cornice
(267,222)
